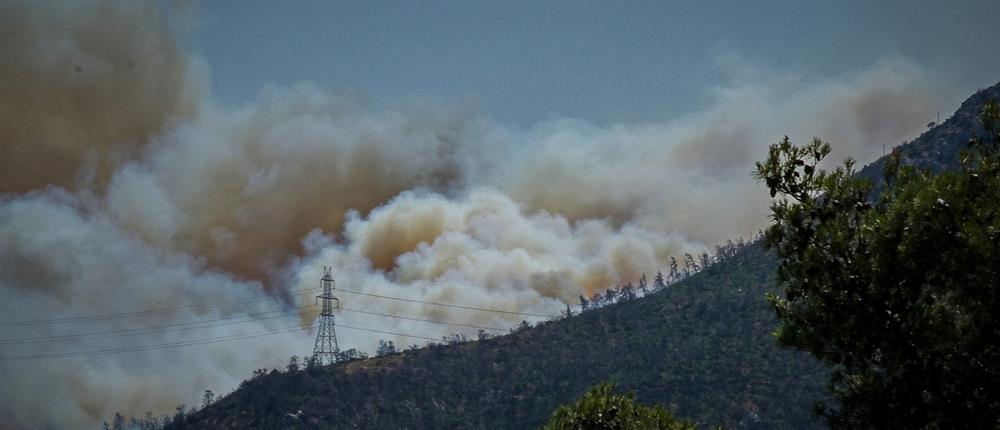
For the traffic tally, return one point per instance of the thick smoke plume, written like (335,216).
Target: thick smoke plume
(61,259)
(129,190)
(84,87)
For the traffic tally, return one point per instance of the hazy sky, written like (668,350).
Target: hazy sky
(523,62)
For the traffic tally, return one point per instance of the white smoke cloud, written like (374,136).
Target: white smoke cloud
(61,260)
(481,250)
(213,204)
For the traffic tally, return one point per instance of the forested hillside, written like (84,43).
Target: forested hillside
(702,347)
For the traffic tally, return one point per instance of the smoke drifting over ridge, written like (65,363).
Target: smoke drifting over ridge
(128,190)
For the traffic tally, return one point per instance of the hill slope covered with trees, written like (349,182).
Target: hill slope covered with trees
(702,347)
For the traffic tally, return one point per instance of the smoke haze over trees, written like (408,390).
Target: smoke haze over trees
(127,188)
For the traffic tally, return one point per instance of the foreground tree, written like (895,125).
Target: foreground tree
(600,408)
(899,293)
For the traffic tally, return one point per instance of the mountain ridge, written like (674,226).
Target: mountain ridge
(701,346)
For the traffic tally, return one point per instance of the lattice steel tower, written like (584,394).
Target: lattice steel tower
(325,352)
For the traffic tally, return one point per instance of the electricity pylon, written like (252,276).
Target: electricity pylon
(326,350)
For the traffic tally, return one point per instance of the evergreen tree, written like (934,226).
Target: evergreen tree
(312,365)
(207,399)
(596,300)
(627,292)
(386,348)
(658,281)
(690,267)
(601,409)
(181,412)
(900,293)
(609,295)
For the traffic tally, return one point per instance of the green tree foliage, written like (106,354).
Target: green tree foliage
(899,292)
(601,409)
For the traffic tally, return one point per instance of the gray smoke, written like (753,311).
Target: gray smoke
(130,191)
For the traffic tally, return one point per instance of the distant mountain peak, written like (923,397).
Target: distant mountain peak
(938,148)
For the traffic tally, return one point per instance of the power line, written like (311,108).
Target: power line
(210,323)
(132,314)
(433,339)
(421,319)
(169,327)
(190,325)
(448,305)
(153,347)
(875,151)
(217,339)
(427,281)
(204,324)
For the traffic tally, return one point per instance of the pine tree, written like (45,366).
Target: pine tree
(597,300)
(627,291)
(207,399)
(609,295)
(898,293)
(690,267)
(658,281)
(181,412)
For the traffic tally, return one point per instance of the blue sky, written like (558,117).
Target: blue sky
(604,62)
